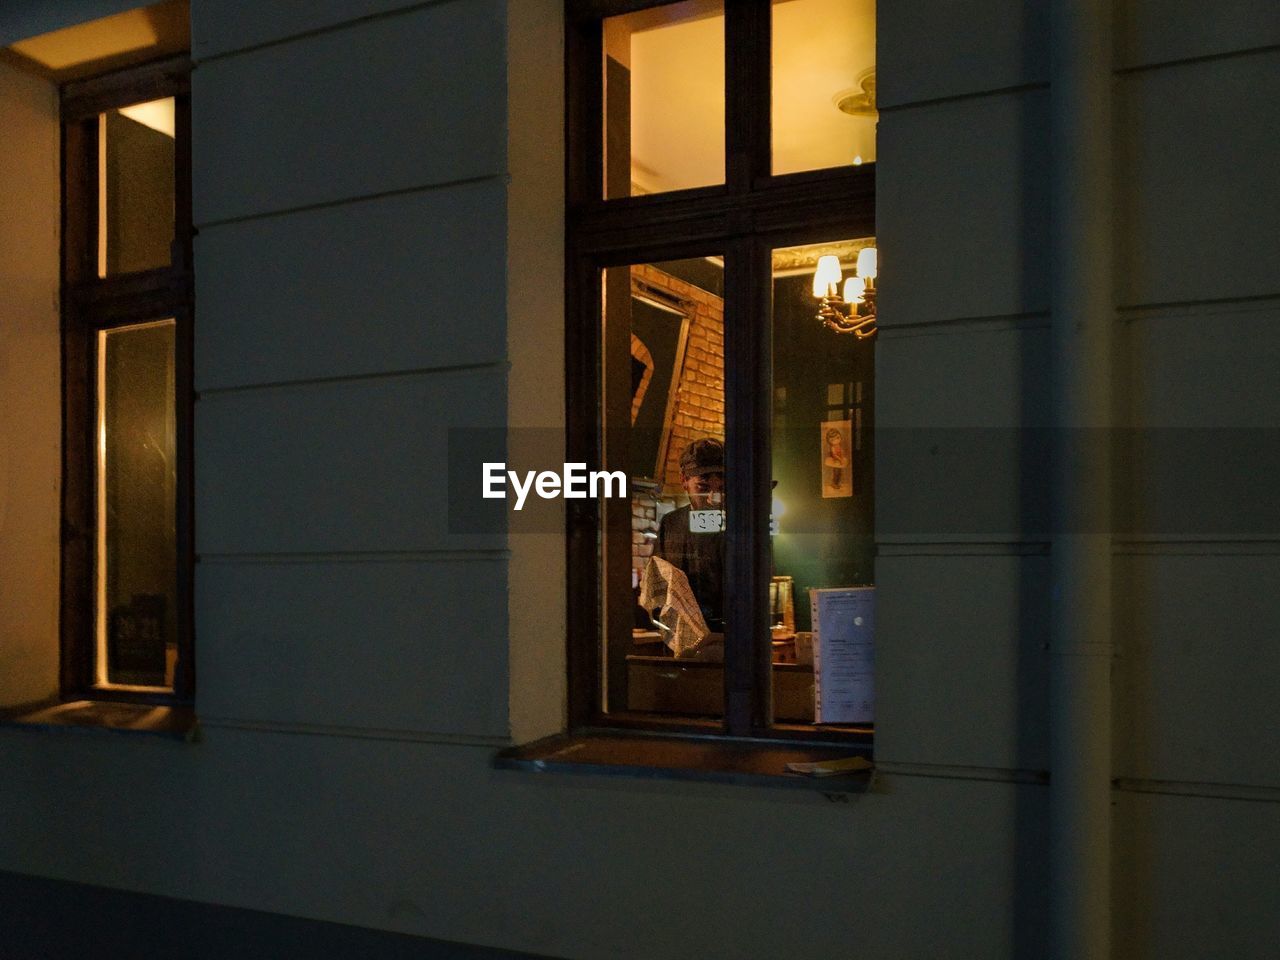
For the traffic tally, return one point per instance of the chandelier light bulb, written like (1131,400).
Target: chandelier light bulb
(826,278)
(867,263)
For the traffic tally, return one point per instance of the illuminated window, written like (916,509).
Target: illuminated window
(126,303)
(721,341)
(664,85)
(823,103)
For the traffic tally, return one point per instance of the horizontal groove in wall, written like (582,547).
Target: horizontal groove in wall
(1039,320)
(950,548)
(1197,548)
(960,97)
(1206,791)
(1036,548)
(1044,84)
(1217,306)
(357,556)
(937,771)
(320,31)
(354,733)
(1214,791)
(1203,58)
(924,328)
(461,368)
(346,201)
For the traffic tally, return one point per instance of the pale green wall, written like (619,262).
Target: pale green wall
(1198,258)
(356,183)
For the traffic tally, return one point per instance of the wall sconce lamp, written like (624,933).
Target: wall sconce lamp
(853,309)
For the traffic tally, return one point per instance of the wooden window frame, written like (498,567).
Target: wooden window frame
(743,219)
(91,304)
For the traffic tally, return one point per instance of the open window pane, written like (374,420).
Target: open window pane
(136,567)
(663,548)
(823,536)
(824,84)
(664,98)
(135,187)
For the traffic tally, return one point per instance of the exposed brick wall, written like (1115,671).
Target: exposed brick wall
(644,518)
(699,406)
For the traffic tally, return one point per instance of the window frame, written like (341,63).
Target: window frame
(90,304)
(743,219)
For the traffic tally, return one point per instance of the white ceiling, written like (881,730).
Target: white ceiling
(677,91)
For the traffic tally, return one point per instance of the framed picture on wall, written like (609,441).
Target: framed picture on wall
(837,458)
(659,333)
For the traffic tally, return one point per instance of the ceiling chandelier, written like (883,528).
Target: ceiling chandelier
(853,308)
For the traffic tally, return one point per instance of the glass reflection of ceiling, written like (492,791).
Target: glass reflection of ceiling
(677,83)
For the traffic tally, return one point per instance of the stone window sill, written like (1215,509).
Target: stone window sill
(706,760)
(106,717)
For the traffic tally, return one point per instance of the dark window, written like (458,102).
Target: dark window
(126,620)
(719,153)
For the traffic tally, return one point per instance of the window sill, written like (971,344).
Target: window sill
(706,760)
(101,716)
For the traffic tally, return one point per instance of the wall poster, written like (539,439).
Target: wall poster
(837,459)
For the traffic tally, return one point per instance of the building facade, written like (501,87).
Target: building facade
(379,199)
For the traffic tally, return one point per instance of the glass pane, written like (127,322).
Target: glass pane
(824,84)
(664,98)
(824,496)
(137,555)
(663,546)
(135,187)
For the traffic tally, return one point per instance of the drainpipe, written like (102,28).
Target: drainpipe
(1080,629)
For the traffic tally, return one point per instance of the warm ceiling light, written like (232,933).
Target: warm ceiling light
(156,114)
(854,288)
(827,276)
(867,263)
(853,310)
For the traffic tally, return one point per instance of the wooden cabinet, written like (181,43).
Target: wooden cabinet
(693,688)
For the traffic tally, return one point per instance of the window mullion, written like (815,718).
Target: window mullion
(79,200)
(747,363)
(584,425)
(76,615)
(183,211)
(584,111)
(747,94)
(184,420)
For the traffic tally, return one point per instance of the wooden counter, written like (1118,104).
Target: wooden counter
(694,688)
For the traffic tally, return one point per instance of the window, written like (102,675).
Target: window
(126,616)
(721,292)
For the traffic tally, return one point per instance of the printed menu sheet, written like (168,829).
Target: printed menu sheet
(844,621)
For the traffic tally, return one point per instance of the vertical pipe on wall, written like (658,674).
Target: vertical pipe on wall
(1081,645)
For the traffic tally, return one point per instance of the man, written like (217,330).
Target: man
(699,555)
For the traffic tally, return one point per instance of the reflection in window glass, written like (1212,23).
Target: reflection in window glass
(137,602)
(823,508)
(824,84)
(663,548)
(135,187)
(664,98)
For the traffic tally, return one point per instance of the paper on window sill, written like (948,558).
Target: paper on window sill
(830,768)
